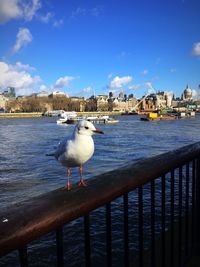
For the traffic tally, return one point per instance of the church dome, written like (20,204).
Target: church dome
(187,93)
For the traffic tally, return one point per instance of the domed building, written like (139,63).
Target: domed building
(187,94)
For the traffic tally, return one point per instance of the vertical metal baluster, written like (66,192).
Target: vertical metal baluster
(197,207)
(187,210)
(140,222)
(23,257)
(108,235)
(126,239)
(180,215)
(193,201)
(172,220)
(153,264)
(59,245)
(163,220)
(87,240)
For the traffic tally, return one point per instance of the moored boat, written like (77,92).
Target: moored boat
(156,117)
(71,118)
(66,117)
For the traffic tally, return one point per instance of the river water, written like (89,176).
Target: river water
(26,171)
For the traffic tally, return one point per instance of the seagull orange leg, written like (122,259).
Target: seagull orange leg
(68,181)
(81,183)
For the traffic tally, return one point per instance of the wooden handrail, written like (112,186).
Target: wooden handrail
(25,221)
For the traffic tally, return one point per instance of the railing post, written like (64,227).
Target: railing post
(140,225)
(153,262)
(197,208)
(180,203)
(87,240)
(23,256)
(59,244)
(126,231)
(163,220)
(108,235)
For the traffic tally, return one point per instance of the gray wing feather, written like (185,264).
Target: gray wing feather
(61,148)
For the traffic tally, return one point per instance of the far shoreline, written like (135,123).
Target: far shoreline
(41,114)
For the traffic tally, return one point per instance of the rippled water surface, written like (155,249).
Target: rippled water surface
(25,171)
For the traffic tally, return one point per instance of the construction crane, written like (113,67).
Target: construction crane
(135,108)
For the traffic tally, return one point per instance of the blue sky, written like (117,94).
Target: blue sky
(82,47)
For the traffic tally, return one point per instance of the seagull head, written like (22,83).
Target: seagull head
(86,128)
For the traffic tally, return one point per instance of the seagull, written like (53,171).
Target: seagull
(77,150)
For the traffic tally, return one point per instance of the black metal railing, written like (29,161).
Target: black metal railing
(156,202)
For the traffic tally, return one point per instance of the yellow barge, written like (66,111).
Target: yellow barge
(156,117)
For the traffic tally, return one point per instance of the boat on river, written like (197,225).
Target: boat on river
(102,119)
(152,116)
(66,116)
(71,118)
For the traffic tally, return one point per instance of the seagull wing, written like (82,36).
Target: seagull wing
(61,148)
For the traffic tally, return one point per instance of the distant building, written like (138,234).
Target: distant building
(57,94)
(125,104)
(42,94)
(121,95)
(9,92)
(111,95)
(156,101)
(130,96)
(102,102)
(121,103)
(77,98)
(187,93)
(3,101)
(148,103)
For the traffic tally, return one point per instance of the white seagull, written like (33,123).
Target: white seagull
(77,150)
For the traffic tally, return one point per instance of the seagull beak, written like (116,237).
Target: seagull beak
(98,131)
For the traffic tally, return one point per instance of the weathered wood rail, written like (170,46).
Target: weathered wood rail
(26,221)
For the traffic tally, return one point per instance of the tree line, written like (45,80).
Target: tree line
(43,104)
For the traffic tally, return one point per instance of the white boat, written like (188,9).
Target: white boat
(54,113)
(67,117)
(71,117)
(111,121)
(102,119)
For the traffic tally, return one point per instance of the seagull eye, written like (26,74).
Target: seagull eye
(86,127)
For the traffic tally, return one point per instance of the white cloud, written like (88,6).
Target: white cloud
(110,75)
(147,85)
(15,9)
(46,18)
(196,49)
(19,66)
(144,72)
(17,76)
(196,93)
(50,18)
(119,82)
(134,86)
(43,87)
(58,23)
(63,82)
(87,89)
(24,37)
(9,9)
(30,9)
(80,12)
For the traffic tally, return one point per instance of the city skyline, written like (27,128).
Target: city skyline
(100,46)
